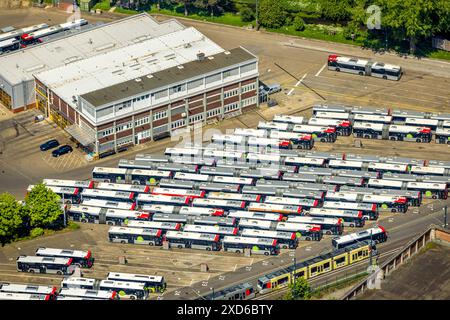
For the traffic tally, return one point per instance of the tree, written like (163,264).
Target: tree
(335,10)
(43,207)
(299,289)
(298,23)
(186,3)
(213,6)
(12,218)
(247,14)
(271,13)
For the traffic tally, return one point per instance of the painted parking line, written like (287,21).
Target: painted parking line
(321,69)
(297,84)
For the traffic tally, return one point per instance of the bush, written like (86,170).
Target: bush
(299,23)
(247,14)
(36,232)
(352,29)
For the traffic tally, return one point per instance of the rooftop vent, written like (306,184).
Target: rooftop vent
(211,58)
(200,56)
(227,52)
(149,76)
(180,67)
(138,79)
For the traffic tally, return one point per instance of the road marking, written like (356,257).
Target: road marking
(296,85)
(321,69)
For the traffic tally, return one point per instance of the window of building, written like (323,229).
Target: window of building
(249,101)
(178,88)
(212,113)
(231,93)
(123,106)
(160,129)
(160,115)
(105,112)
(248,67)
(141,121)
(231,107)
(195,84)
(89,110)
(214,78)
(160,94)
(106,132)
(249,87)
(230,73)
(196,118)
(124,126)
(124,141)
(178,110)
(178,123)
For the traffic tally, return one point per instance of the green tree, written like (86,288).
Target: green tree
(299,289)
(12,218)
(271,13)
(214,7)
(247,14)
(43,207)
(298,23)
(336,10)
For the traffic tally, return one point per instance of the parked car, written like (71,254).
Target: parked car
(62,150)
(273,88)
(50,144)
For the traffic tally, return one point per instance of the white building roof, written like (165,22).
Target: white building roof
(127,63)
(21,65)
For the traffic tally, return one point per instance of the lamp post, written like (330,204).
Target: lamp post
(212,293)
(445,216)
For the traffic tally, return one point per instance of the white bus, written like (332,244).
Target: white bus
(191,194)
(87,294)
(23,296)
(68,194)
(385,183)
(89,184)
(144,198)
(222,154)
(108,195)
(369,210)
(123,187)
(121,205)
(388,167)
(239,214)
(410,133)
(125,289)
(217,203)
(350,218)
(256,224)
(439,171)
(193,240)
(268,142)
(301,161)
(250,132)
(220,230)
(347,165)
(108,216)
(377,235)
(234,196)
(267,125)
(152,283)
(308,203)
(154,225)
(9,45)
(319,133)
(263,158)
(332,115)
(286,240)
(133,176)
(49,292)
(82,258)
(19,32)
(328,225)
(420,122)
(372,118)
(443,135)
(78,283)
(276,208)
(300,140)
(229,139)
(184,152)
(429,189)
(151,237)
(288,119)
(343,127)
(303,231)
(199,211)
(36,264)
(191,177)
(233,180)
(264,246)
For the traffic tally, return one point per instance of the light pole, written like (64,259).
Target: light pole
(212,293)
(256,16)
(445,216)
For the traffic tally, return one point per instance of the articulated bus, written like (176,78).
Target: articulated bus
(49,292)
(350,218)
(319,133)
(159,208)
(151,237)
(152,283)
(299,140)
(154,225)
(220,230)
(215,221)
(410,133)
(191,177)
(162,217)
(123,187)
(268,143)
(429,189)
(256,224)
(388,167)
(276,208)
(23,296)
(421,170)
(384,202)
(315,266)
(369,130)
(420,122)
(17,33)
(133,176)
(332,115)
(345,164)
(200,211)
(443,135)
(302,202)
(322,107)
(108,216)
(238,214)
(233,180)
(370,110)
(191,194)
(369,210)
(78,283)
(108,195)
(81,258)
(263,158)
(217,203)
(261,133)
(265,246)
(193,240)
(69,194)
(414,198)
(288,119)
(36,264)
(377,235)
(222,154)
(343,127)
(89,184)
(303,231)
(234,196)
(125,289)
(218,171)
(184,152)
(301,161)
(286,240)
(86,294)
(328,225)
(120,205)
(372,118)
(270,125)
(144,198)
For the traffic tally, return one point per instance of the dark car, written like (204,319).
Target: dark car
(50,144)
(62,150)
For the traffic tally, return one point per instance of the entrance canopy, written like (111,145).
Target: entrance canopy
(80,135)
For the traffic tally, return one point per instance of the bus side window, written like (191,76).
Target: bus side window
(326,266)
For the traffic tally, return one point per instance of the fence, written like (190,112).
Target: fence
(433,233)
(441,43)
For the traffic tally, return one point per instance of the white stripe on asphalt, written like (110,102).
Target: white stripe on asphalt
(321,69)
(296,85)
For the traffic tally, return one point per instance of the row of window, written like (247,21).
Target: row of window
(160,115)
(249,87)
(196,118)
(249,101)
(212,113)
(231,107)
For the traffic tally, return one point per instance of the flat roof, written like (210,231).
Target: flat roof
(125,64)
(168,76)
(21,65)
